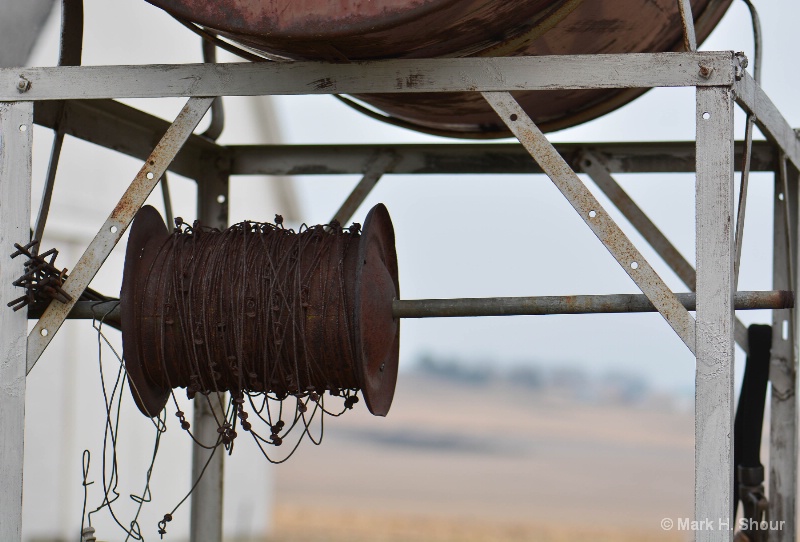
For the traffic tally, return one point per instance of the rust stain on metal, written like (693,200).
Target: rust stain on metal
(353,30)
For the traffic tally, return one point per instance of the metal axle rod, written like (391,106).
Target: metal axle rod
(575,304)
(108,311)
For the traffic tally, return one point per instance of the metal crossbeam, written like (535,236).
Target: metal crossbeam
(631,70)
(115,225)
(598,220)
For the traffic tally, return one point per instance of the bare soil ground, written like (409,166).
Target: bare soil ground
(454,461)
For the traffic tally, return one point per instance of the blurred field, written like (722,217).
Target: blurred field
(491,461)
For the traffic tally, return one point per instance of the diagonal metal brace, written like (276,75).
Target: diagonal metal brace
(590,210)
(116,224)
(379,165)
(595,166)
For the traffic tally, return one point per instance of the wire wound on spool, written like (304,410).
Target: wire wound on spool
(260,308)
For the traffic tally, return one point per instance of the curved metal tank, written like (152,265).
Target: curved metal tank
(349,30)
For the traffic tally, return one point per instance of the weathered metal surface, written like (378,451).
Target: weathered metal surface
(752,98)
(442,75)
(595,166)
(359,30)
(346,336)
(715,330)
(377,330)
(501,158)
(741,212)
(593,214)
(116,224)
(573,304)
(687,22)
(120,127)
(16,130)
(355,31)
(783,444)
(594,27)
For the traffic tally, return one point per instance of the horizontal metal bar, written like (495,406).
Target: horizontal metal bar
(127,130)
(106,311)
(635,70)
(574,304)
(109,312)
(752,98)
(134,133)
(489,158)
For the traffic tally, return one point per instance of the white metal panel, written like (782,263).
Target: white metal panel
(715,346)
(16,128)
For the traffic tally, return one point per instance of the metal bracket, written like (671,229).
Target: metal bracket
(594,215)
(116,224)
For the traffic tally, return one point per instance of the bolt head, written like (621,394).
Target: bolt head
(23,85)
(705,72)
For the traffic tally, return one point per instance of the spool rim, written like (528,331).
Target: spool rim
(377,286)
(147,234)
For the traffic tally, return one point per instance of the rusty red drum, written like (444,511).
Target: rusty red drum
(350,30)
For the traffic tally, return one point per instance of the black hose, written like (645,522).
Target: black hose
(749,421)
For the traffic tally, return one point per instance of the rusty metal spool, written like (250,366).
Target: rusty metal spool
(352,279)
(354,30)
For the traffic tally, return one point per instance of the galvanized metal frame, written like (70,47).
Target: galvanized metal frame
(720,82)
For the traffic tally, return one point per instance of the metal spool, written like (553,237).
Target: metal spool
(353,31)
(201,318)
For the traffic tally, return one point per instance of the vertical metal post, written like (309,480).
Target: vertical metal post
(715,346)
(207,499)
(16,128)
(782,371)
